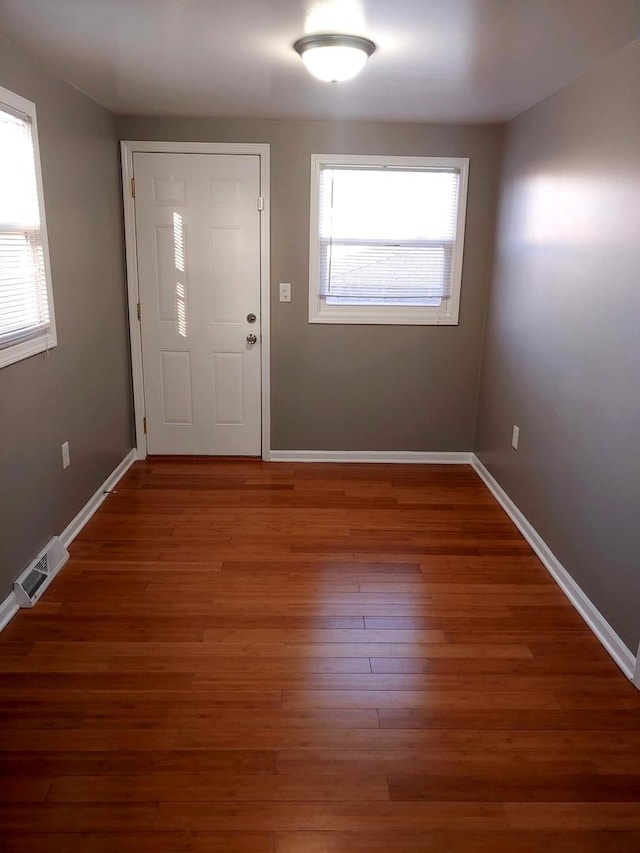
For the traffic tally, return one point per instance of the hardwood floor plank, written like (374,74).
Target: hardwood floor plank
(54,763)
(522,718)
(579,817)
(145,717)
(481,651)
(524,664)
(329,636)
(455,842)
(37,739)
(328,816)
(553,781)
(618,765)
(158,842)
(432,682)
(77,817)
(441,743)
(418,699)
(619,695)
(203,787)
(268,666)
(20,789)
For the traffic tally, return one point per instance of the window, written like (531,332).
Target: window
(27,324)
(386,239)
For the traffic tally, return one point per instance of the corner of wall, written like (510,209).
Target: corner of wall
(489,277)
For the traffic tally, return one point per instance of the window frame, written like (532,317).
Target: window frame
(445,314)
(47,339)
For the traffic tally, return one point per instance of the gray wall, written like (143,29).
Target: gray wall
(361,387)
(562,355)
(80,391)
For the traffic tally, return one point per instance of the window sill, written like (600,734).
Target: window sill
(18,352)
(383,316)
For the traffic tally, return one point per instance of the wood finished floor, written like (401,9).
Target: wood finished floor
(310,659)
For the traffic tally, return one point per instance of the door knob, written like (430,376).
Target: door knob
(252,339)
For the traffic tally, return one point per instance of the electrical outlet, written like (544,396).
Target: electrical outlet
(285,292)
(515,437)
(66,459)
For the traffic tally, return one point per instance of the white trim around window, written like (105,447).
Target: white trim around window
(445,313)
(42,335)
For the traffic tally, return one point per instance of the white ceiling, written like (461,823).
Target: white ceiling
(437,60)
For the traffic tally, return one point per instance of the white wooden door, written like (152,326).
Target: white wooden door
(198,253)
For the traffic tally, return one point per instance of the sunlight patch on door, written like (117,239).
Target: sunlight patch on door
(178,257)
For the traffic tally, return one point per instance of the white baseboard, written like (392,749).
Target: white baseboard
(9,606)
(591,615)
(401,457)
(76,524)
(8,609)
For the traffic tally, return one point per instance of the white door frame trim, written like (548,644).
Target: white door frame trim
(128,148)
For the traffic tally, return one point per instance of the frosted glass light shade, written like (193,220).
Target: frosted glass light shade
(334,64)
(334,58)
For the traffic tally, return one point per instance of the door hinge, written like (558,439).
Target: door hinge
(133,187)
(260,202)
(139,314)
(144,425)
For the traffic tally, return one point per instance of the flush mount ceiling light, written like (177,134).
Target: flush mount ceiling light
(334,58)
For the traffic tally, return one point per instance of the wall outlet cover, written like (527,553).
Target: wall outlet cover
(515,437)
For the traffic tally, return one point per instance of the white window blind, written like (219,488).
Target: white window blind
(24,308)
(387,235)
